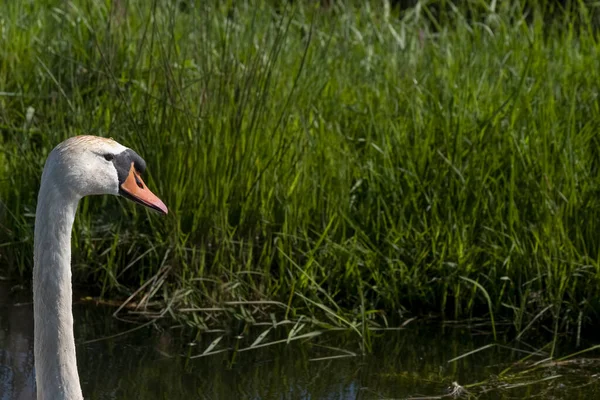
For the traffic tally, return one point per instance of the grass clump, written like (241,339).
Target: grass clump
(340,163)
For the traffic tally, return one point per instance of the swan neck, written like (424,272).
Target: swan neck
(54,340)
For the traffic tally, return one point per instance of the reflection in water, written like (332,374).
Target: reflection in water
(16,349)
(147,364)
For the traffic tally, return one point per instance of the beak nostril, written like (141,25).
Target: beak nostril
(139,182)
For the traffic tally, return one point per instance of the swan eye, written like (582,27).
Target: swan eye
(109,157)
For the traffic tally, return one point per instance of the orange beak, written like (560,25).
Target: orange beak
(135,189)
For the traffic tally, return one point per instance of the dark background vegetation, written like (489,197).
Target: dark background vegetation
(353,164)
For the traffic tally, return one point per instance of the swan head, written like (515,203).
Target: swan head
(92,165)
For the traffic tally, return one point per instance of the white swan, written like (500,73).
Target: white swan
(79,166)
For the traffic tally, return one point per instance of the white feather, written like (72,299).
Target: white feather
(75,168)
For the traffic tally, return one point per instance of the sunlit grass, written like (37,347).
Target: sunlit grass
(343,164)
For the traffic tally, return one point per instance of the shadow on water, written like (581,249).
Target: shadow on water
(153,364)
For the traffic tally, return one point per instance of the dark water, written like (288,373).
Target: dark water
(151,364)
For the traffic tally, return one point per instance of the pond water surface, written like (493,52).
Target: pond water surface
(153,363)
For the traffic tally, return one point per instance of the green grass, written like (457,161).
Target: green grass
(342,164)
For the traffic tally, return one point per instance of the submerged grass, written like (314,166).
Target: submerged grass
(570,372)
(343,164)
